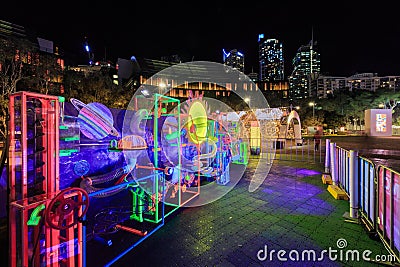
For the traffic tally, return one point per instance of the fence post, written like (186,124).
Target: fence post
(327,155)
(353,183)
(333,163)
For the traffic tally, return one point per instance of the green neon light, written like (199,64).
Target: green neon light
(72,138)
(244,152)
(159,182)
(63,127)
(173,135)
(67,152)
(114,144)
(34,219)
(137,201)
(174,145)
(211,126)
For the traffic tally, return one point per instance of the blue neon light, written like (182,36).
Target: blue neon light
(225,55)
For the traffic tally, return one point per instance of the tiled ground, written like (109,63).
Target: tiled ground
(291,211)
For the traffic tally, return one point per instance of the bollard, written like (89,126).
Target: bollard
(327,155)
(353,184)
(333,165)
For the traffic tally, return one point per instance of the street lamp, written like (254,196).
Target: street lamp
(313,108)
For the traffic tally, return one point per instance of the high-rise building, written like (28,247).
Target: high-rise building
(234,59)
(270,59)
(306,67)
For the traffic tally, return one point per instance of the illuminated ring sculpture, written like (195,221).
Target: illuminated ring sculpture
(95,120)
(67,203)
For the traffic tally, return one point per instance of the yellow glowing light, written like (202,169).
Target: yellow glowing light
(197,123)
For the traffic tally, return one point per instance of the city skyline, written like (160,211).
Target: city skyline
(348,40)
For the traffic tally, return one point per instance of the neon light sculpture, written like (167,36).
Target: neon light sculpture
(34,182)
(95,119)
(162,151)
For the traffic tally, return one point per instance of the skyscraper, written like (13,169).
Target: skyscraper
(270,59)
(306,67)
(234,59)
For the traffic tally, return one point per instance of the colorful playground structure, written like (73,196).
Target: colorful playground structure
(86,179)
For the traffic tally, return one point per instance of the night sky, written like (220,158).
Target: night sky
(352,38)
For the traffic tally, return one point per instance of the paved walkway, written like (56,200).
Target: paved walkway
(291,211)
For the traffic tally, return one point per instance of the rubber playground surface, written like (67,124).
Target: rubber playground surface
(291,213)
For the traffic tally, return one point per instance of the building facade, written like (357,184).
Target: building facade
(324,86)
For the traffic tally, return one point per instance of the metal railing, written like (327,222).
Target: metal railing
(388,208)
(343,168)
(374,192)
(367,198)
(288,149)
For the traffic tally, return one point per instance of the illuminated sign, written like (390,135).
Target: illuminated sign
(381,123)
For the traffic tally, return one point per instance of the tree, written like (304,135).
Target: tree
(334,120)
(361,100)
(94,86)
(389,98)
(46,74)
(14,53)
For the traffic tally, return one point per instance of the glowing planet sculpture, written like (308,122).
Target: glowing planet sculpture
(95,120)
